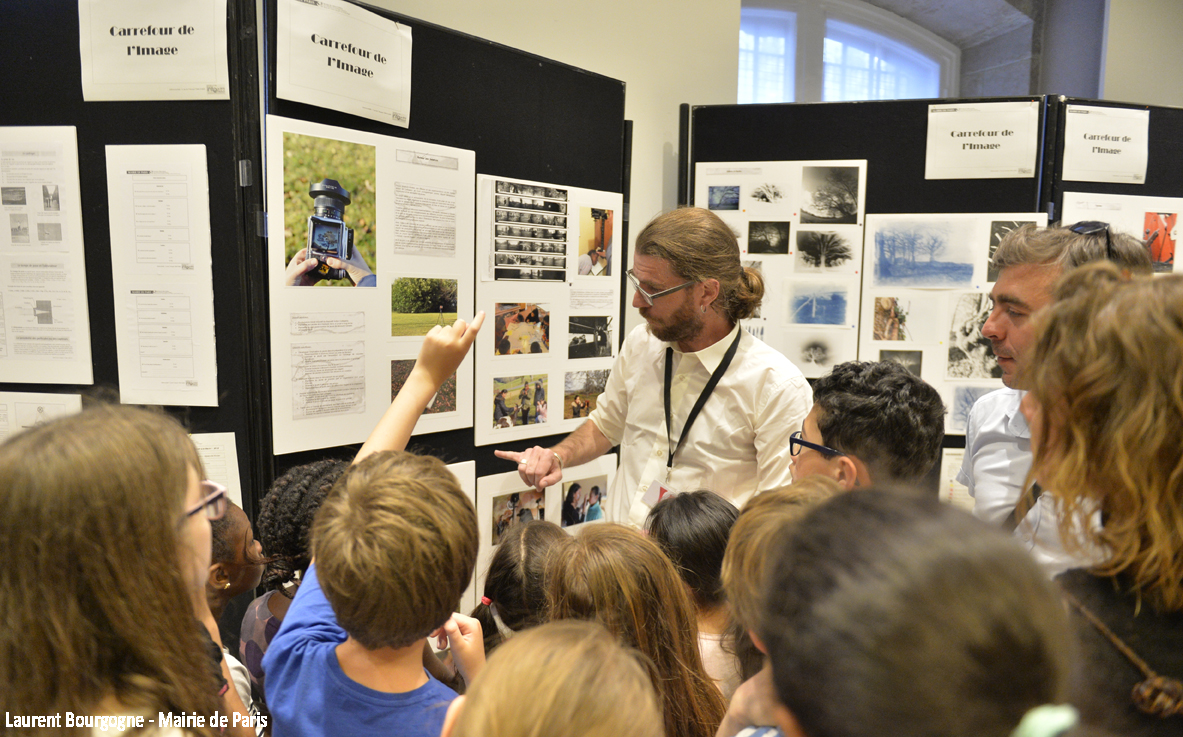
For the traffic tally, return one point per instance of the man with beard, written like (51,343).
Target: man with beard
(732,403)
(1029,261)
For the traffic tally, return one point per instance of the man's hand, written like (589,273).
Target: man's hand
(445,347)
(299,268)
(463,636)
(538,466)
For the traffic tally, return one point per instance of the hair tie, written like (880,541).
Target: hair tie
(1048,720)
(486,600)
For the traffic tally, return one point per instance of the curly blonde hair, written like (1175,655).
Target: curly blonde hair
(1107,373)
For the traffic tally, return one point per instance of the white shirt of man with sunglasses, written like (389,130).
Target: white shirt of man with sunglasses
(692,290)
(1029,261)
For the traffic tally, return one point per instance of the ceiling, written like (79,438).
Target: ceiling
(964,23)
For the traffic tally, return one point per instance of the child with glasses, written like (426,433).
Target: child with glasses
(105,523)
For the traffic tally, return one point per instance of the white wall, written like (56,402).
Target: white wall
(666,51)
(1143,54)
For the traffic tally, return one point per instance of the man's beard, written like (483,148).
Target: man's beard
(683,325)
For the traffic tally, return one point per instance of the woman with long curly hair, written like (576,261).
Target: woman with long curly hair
(1105,409)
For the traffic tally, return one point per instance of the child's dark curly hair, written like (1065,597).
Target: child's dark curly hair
(285,518)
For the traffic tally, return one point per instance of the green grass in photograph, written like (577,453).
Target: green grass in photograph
(402,325)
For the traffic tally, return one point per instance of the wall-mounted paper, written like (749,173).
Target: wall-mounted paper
(336,55)
(219,455)
(1106,144)
(503,502)
(800,224)
(23,410)
(548,266)
(398,215)
(1154,220)
(951,491)
(162,274)
(44,315)
(982,140)
(151,50)
(926,296)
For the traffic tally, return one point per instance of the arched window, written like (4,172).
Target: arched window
(834,50)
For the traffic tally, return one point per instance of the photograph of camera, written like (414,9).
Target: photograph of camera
(328,235)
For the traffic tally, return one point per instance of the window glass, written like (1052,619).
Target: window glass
(767,52)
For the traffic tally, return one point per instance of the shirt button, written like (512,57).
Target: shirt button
(657,452)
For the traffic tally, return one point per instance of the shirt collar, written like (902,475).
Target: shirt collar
(711,356)
(1016,423)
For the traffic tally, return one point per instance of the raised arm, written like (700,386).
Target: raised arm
(442,351)
(541,467)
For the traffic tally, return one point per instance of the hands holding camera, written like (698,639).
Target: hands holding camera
(300,269)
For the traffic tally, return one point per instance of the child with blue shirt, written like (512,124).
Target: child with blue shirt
(394,546)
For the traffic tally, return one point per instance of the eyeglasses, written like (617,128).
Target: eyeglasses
(1092,227)
(214,503)
(795,443)
(650,297)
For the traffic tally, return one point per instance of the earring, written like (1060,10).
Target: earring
(226,586)
(704,309)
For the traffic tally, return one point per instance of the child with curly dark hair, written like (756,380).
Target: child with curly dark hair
(285,519)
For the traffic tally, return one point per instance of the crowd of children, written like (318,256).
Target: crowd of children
(816,610)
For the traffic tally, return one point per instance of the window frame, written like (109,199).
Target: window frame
(811,33)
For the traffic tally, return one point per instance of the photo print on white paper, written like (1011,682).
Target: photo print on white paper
(521,328)
(830,194)
(923,253)
(581,389)
(970,354)
(590,336)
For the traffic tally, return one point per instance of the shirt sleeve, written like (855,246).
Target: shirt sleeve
(309,621)
(965,476)
(783,410)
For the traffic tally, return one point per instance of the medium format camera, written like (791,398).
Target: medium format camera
(328,235)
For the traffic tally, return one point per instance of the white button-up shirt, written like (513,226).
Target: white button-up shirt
(738,445)
(997,459)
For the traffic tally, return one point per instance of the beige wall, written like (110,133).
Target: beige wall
(666,51)
(1143,56)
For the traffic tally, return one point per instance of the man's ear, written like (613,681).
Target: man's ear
(786,721)
(452,715)
(710,291)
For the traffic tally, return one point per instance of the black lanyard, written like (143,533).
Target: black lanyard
(702,398)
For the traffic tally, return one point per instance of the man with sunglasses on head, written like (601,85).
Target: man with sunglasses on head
(1029,261)
(872,423)
(693,401)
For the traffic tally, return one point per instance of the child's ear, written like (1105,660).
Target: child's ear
(452,715)
(847,474)
(758,642)
(218,576)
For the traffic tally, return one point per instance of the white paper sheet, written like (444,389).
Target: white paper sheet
(498,510)
(951,491)
(219,455)
(44,315)
(926,295)
(800,224)
(23,410)
(1151,219)
(982,140)
(1105,144)
(162,274)
(151,50)
(339,353)
(465,473)
(552,313)
(336,55)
